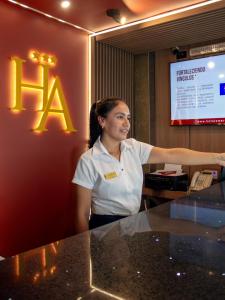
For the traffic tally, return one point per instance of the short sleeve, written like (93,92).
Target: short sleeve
(84,173)
(144,151)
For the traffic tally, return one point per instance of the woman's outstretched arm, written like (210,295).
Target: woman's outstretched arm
(183,156)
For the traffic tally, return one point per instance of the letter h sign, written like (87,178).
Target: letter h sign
(48,95)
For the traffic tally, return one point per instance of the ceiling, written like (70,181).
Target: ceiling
(191,27)
(91,14)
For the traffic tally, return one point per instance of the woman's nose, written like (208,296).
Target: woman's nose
(127,122)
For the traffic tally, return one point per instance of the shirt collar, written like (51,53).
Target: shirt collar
(99,148)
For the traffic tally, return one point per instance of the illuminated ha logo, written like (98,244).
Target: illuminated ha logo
(49,96)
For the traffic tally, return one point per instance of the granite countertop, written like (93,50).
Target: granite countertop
(173,251)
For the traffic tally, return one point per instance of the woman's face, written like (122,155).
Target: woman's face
(117,123)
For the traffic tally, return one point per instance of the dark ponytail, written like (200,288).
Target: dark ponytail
(95,128)
(100,108)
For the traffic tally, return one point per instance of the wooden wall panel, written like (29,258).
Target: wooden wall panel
(210,138)
(141,117)
(114,74)
(207,138)
(141,114)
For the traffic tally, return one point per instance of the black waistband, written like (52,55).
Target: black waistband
(100,220)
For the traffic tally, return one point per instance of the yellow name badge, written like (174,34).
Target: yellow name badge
(110,175)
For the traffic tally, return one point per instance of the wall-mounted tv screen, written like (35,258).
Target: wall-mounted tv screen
(198,91)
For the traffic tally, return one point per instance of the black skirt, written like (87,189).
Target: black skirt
(100,220)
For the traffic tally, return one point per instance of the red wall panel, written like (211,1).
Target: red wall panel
(36,204)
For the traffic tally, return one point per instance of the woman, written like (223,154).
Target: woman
(109,175)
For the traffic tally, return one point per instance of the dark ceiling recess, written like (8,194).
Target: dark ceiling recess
(114,13)
(180,54)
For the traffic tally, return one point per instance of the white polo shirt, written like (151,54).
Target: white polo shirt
(116,185)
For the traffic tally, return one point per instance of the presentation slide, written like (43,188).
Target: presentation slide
(198,91)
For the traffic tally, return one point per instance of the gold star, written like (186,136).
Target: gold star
(34,55)
(44,58)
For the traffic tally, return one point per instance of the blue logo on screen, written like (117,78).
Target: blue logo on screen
(222,88)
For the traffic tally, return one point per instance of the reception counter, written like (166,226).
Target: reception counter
(173,251)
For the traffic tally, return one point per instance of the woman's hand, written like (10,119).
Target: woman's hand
(221,159)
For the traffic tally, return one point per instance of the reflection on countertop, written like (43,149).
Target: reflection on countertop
(173,251)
